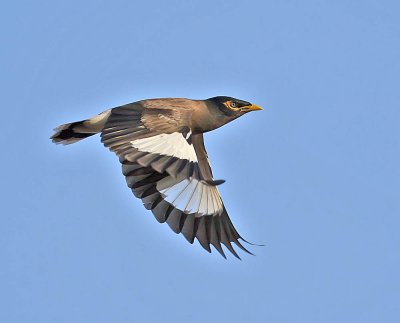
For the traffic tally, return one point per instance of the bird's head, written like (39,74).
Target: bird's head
(232,107)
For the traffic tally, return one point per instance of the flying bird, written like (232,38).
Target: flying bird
(160,145)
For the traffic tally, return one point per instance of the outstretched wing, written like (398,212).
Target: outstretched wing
(167,167)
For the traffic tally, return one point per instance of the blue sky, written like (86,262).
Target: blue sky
(315,176)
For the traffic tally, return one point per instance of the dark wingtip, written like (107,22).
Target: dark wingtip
(243,248)
(253,244)
(218,247)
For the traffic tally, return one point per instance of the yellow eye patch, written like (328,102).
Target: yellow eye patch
(231,105)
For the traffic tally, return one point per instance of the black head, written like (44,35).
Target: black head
(231,106)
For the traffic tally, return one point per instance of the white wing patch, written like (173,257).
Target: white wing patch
(192,196)
(188,195)
(174,145)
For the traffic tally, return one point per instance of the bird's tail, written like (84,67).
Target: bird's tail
(70,133)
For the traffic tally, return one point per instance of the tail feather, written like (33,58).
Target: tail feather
(70,133)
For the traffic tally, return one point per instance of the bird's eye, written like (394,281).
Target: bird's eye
(233,104)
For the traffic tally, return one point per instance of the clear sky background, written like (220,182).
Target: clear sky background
(315,176)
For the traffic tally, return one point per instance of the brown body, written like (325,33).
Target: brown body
(169,114)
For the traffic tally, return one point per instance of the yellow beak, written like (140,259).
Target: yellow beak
(253,107)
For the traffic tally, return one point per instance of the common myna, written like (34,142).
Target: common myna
(160,145)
